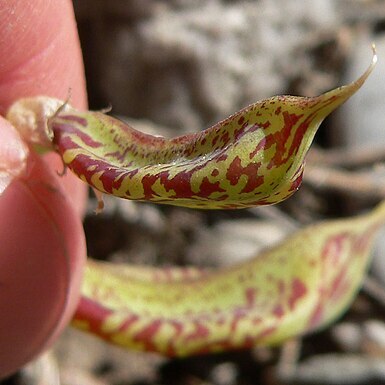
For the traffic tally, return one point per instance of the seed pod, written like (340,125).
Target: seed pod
(254,157)
(297,287)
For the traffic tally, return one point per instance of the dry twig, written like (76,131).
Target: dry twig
(361,184)
(375,289)
(347,157)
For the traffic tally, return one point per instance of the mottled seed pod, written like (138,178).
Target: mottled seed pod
(297,287)
(254,157)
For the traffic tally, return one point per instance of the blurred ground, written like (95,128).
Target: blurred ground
(179,66)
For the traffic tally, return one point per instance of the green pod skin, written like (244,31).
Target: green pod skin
(297,287)
(254,157)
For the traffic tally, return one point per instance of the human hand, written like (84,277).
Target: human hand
(42,241)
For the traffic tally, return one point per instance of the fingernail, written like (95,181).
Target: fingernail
(13,154)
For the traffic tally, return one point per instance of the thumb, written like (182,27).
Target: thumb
(42,254)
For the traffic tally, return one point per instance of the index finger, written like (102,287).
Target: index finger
(42,56)
(41,52)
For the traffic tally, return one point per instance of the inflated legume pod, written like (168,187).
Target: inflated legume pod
(254,157)
(296,287)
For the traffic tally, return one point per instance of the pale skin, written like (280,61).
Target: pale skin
(40,212)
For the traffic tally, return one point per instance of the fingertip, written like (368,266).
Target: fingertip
(42,257)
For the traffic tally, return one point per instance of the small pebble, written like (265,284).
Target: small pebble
(235,241)
(224,374)
(374,330)
(348,335)
(338,369)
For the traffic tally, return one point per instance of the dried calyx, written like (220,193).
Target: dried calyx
(31,116)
